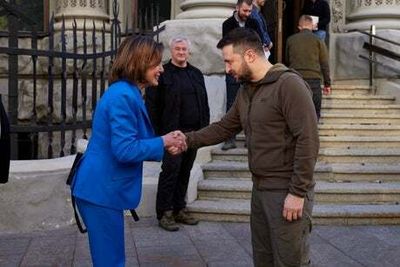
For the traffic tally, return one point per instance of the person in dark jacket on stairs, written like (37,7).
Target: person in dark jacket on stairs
(180,103)
(239,19)
(274,108)
(309,56)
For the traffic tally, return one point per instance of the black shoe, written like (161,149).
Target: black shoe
(167,222)
(230,144)
(185,218)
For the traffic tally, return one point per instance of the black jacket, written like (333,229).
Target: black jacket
(4,145)
(231,23)
(320,9)
(164,101)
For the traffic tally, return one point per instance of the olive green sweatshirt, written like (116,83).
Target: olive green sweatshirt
(308,55)
(278,118)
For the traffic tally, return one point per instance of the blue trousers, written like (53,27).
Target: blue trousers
(106,233)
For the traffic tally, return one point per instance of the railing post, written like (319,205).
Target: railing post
(371,59)
(13,81)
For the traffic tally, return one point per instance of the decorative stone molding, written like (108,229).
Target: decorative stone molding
(95,10)
(384,14)
(197,9)
(338,9)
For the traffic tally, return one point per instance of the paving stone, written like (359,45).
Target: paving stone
(12,245)
(230,264)
(326,255)
(246,244)
(82,250)
(222,250)
(207,231)
(171,255)
(50,251)
(174,264)
(11,260)
(238,230)
(155,236)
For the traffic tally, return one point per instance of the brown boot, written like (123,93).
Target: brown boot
(183,217)
(167,222)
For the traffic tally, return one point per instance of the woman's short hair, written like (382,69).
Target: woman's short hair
(135,56)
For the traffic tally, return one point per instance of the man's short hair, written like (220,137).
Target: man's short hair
(242,39)
(178,39)
(240,2)
(305,19)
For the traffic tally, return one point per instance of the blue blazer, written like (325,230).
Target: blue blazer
(111,170)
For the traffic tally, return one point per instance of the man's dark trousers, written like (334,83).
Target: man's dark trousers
(315,85)
(277,242)
(173,181)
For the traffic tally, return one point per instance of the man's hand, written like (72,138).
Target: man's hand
(293,207)
(175,142)
(268,47)
(327,90)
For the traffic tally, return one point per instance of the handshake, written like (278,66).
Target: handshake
(175,142)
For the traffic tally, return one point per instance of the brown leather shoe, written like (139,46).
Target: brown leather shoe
(185,218)
(167,222)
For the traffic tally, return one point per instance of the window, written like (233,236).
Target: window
(32,9)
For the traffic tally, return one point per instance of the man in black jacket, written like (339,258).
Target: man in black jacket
(240,18)
(4,145)
(178,103)
(320,9)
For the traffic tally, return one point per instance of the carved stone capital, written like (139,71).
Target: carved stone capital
(197,9)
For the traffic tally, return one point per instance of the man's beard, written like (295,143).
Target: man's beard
(246,74)
(242,17)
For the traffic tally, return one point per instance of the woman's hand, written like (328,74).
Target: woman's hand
(175,142)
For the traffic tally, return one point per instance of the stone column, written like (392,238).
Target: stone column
(195,9)
(91,10)
(385,14)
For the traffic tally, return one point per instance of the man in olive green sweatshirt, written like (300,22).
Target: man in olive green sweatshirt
(308,55)
(274,108)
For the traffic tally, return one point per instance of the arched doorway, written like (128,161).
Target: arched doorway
(282,17)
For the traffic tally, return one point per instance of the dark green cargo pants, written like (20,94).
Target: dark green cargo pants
(277,242)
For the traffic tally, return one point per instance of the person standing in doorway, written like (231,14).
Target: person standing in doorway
(262,24)
(240,19)
(307,54)
(320,9)
(179,102)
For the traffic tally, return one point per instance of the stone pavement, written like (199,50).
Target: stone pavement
(207,244)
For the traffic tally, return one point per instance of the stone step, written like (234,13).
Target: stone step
(332,118)
(326,155)
(358,130)
(358,99)
(348,172)
(350,90)
(371,155)
(359,142)
(361,109)
(348,141)
(238,210)
(325,192)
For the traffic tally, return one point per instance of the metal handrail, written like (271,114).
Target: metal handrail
(374,49)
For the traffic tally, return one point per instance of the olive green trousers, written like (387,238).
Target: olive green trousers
(277,242)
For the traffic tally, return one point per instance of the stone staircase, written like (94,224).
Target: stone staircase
(357,173)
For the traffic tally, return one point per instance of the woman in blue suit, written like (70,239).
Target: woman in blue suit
(109,176)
